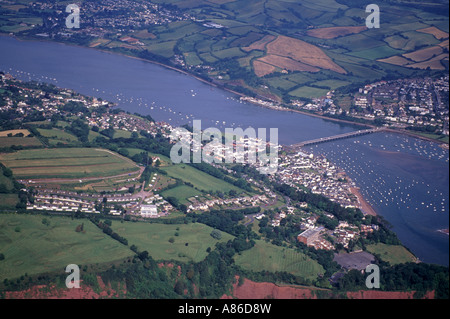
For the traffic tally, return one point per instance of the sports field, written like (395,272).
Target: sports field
(264,256)
(67,163)
(31,247)
(154,238)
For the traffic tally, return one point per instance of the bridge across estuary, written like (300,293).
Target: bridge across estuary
(337,137)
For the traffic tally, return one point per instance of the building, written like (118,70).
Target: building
(309,236)
(149,211)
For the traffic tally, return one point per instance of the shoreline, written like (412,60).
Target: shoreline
(365,207)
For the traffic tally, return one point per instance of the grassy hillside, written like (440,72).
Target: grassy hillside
(394,254)
(199,179)
(31,247)
(190,241)
(267,257)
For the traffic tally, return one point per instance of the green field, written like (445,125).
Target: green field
(31,247)
(55,136)
(154,238)
(394,254)
(164,49)
(191,58)
(23,141)
(93,135)
(163,159)
(66,163)
(332,84)
(8,201)
(199,179)
(182,193)
(267,257)
(376,53)
(308,92)
(122,133)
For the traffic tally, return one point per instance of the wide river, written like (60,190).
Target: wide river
(405,179)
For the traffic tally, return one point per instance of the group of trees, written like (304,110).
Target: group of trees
(80,129)
(418,277)
(11,186)
(14,186)
(227,220)
(105,227)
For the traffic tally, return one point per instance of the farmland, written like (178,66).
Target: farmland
(309,40)
(154,238)
(22,141)
(267,257)
(66,163)
(287,63)
(31,247)
(8,201)
(14,132)
(302,52)
(438,34)
(56,136)
(334,32)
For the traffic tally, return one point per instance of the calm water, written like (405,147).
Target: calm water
(405,179)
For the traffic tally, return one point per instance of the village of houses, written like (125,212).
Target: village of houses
(399,103)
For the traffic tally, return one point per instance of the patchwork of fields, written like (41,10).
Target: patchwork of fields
(311,40)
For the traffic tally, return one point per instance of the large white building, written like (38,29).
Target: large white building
(149,211)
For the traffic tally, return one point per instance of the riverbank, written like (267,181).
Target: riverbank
(365,207)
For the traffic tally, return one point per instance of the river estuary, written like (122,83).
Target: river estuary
(405,179)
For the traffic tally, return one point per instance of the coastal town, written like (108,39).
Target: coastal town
(301,170)
(419,105)
(109,18)
(406,102)
(318,174)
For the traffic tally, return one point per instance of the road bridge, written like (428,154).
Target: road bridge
(337,137)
